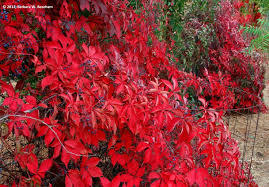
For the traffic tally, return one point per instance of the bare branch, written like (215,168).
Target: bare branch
(50,127)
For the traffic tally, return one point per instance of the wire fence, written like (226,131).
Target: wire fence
(245,124)
(249,127)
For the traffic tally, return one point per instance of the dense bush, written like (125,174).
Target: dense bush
(94,83)
(210,38)
(258,28)
(228,54)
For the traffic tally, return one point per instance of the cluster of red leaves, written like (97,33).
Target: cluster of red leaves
(113,98)
(228,54)
(252,12)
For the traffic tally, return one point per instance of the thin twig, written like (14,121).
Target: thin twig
(258,161)
(33,109)
(253,145)
(50,127)
(27,54)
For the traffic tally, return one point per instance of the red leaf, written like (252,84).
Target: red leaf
(42,131)
(167,83)
(26,131)
(32,163)
(93,119)
(155,183)
(40,68)
(132,167)
(47,81)
(49,137)
(43,105)
(95,172)
(172,124)
(75,146)
(71,143)
(11,31)
(53,44)
(71,48)
(117,28)
(121,159)
(87,29)
(140,172)
(147,156)
(175,83)
(56,152)
(75,177)
(44,167)
(153,175)
(84,4)
(200,177)
(105,182)
(65,157)
(141,146)
(20,85)
(64,12)
(93,161)
(68,182)
(202,101)
(30,99)
(90,51)
(8,88)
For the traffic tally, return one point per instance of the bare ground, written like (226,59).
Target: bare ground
(243,129)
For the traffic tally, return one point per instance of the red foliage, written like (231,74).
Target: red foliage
(246,72)
(111,96)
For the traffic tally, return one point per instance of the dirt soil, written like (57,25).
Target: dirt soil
(243,128)
(9,167)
